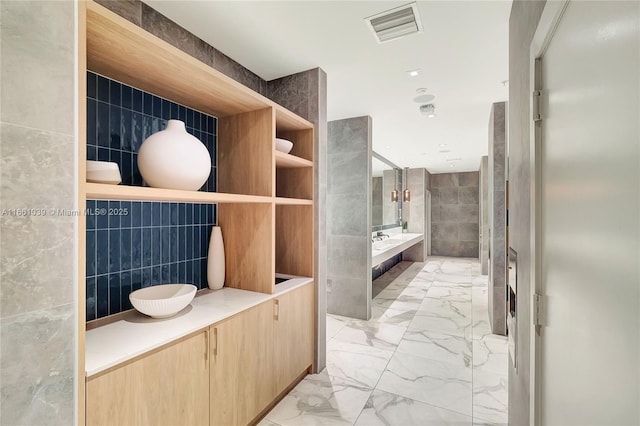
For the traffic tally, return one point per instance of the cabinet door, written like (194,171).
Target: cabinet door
(242,378)
(169,387)
(294,330)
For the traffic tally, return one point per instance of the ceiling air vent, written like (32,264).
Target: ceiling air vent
(395,23)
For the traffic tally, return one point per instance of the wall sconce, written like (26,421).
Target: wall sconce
(406,195)
(394,193)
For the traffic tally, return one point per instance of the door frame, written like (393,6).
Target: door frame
(547,25)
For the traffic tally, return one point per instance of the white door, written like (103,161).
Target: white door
(587,369)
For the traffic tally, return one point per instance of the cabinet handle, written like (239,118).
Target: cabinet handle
(206,346)
(276,309)
(215,341)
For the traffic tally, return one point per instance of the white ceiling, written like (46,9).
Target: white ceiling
(462,53)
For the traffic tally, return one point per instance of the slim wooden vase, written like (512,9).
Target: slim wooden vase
(215,260)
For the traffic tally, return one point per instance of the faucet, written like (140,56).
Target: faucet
(381,235)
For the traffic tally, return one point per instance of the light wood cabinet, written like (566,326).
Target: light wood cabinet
(169,387)
(293,335)
(259,353)
(242,352)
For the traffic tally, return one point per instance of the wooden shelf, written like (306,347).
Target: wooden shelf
(123,51)
(282,201)
(122,192)
(291,161)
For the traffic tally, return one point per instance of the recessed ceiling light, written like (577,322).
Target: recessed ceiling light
(388,146)
(413,73)
(454,159)
(444,151)
(450,165)
(442,145)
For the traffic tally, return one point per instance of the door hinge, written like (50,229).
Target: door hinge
(538,310)
(537,105)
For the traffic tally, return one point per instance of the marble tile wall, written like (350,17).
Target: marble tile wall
(455,214)
(349,217)
(37,167)
(523,22)
(305,94)
(497,218)
(484,215)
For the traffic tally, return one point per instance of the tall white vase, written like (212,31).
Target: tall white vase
(215,260)
(174,159)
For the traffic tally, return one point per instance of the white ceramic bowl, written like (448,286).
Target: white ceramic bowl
(103,172)
(162,301)
(283,145)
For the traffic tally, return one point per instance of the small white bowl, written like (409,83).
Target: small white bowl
(103,172)
(283,145)
(162,301)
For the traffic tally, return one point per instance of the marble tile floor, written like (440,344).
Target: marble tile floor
(426,357)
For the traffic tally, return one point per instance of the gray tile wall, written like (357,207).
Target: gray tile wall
(349,217)
(484,215)
(455,214)
(377,202)
(497,219)
(159,25)
(305,94)
(37,146)
(415,212)
(523,21)
(390,209)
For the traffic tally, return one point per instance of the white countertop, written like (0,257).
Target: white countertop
(396,244)
(114,343)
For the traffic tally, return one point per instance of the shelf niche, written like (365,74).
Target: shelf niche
(293,180)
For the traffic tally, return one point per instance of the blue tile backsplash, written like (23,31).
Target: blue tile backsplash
(135,244)
(120,118)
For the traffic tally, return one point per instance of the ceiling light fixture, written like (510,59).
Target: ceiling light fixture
(413,73)
(395,23)
(442,145)
(450,164)
(428,110)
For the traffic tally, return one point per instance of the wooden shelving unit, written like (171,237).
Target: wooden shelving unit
(291,161)
(98,191)
(265,203)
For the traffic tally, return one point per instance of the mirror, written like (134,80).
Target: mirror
(385,176)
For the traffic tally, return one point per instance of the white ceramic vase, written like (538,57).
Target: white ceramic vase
(174,159)
(215,260)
